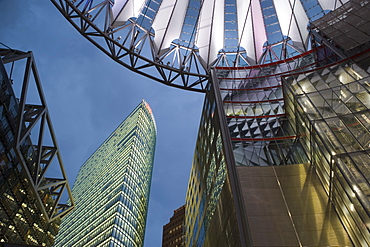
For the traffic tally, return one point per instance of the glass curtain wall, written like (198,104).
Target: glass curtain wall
(211,208)
(329,109)
(253,100)
(271,121)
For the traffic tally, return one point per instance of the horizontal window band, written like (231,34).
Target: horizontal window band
(289,72)
(269,64)
(251,102)
(263,116)
(290,59)
(264,139)
(285,73)
(249,89)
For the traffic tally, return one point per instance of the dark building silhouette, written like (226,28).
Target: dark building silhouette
(174,231)
(30,196)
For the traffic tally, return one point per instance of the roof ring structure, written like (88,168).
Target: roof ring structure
(177,42)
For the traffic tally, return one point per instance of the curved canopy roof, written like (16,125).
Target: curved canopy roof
(214,25)
(183,39)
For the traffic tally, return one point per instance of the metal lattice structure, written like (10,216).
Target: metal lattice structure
(127,43)
(37,156)
(178,42)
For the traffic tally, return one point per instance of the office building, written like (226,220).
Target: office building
(282,156)
(174,231)
(30,196)
(112,188)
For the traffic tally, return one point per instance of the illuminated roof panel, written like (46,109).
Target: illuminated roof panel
(172,23)
(168,23)
(188,37)
(211,33)
(122,10)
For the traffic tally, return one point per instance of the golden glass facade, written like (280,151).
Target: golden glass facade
(112,187)
(329,108)
(295,142)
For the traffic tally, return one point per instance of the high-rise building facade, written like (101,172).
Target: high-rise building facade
(282,157)
(174,231)
(30,196)
(112,188)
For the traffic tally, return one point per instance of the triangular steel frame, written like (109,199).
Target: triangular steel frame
(133,47)
(33,117)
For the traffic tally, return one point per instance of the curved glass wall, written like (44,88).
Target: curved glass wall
(253,101)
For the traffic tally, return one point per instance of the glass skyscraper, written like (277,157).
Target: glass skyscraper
(112,188)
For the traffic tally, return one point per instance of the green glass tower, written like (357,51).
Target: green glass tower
(112,188)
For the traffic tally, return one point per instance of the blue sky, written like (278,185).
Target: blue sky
(89,95)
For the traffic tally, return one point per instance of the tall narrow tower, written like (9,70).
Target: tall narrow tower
(112,187)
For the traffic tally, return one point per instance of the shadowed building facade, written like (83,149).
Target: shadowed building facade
(112,187)
(174,231)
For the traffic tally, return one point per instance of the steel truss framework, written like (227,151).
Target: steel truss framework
(178,42)
(36,157)
(179,66)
